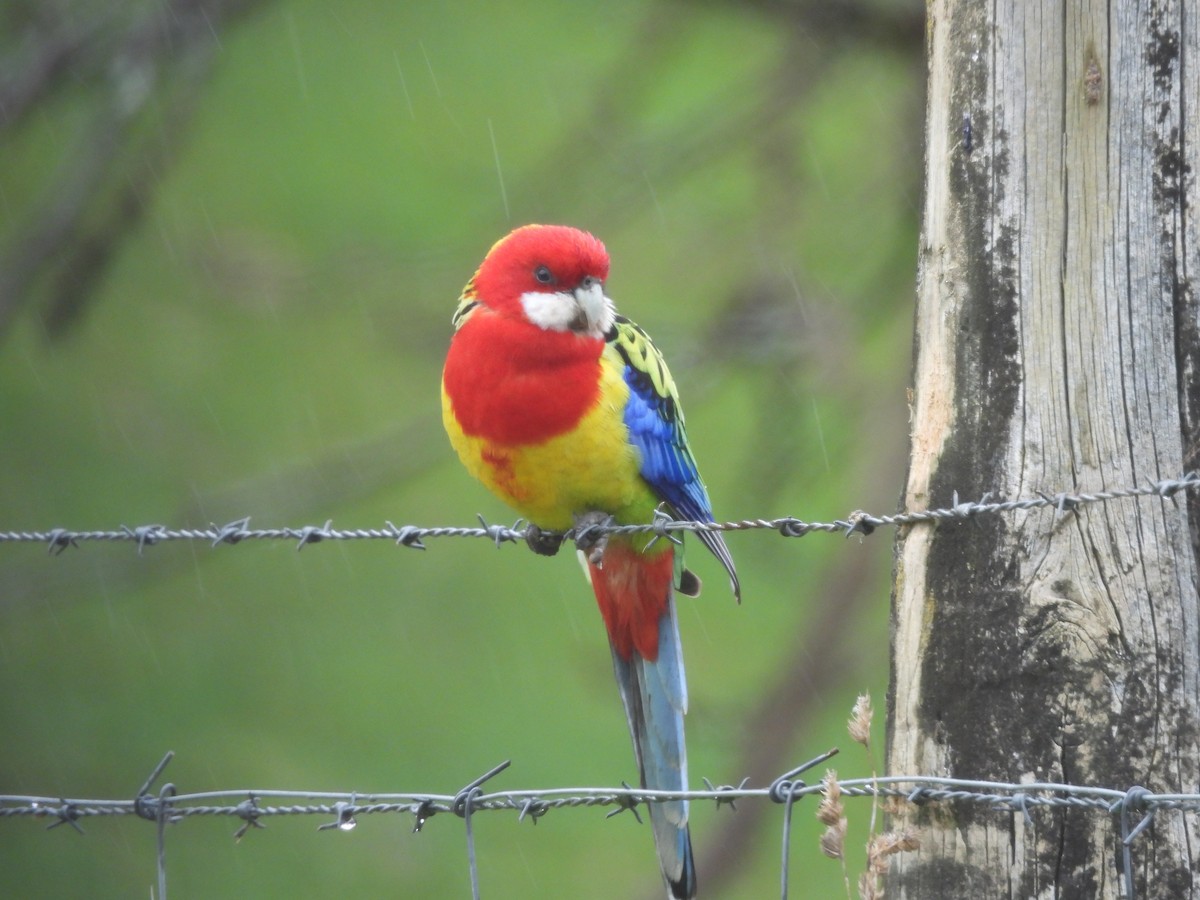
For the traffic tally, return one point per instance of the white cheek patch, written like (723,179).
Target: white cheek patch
(585,311)
(554,312)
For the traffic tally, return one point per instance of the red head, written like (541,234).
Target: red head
(524,363)
(550,275)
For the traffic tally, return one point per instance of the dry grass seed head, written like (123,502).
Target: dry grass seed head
(831,814)
(833,841)
(892,842)
(830,809)
(859,724)
(879,848)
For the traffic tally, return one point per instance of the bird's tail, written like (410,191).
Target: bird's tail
(636,597)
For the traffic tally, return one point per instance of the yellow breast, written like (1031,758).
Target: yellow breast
(591,467)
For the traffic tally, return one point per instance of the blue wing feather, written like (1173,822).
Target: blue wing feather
(655,425)
(667,463)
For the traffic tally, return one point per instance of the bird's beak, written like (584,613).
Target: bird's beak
(595,309)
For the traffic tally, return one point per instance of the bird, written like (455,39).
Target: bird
(566,410)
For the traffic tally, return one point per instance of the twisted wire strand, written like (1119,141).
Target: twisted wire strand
(414,536)
(263,803)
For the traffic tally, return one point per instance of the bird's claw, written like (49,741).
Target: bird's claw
(544,543)
(589,539)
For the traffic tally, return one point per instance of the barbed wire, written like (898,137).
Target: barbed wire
(663,526)
(1134,808)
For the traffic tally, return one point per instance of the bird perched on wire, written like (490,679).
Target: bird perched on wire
(567,412)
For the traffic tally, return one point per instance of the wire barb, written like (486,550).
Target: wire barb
(248,812)
(145,535)
(68,814)
(533,809)
(59,540)
(861,522)
(1168,487)
(406,536)
(626,801)
(232,532)
(729,801)
(344,812)
(313,534)
(662,519)
(500,534)
(425,811)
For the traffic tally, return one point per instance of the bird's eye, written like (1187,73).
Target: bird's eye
(543,275)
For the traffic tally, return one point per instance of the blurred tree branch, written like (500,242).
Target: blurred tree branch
(888,23)
(138,71)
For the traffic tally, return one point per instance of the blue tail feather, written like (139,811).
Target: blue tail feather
(655,698)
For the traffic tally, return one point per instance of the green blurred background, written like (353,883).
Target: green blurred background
(231,238)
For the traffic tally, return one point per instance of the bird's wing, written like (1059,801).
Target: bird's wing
(655,423)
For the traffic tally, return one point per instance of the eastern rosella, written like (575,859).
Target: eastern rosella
(566,411)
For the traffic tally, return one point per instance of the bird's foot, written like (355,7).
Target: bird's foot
(544,543)
(588,539)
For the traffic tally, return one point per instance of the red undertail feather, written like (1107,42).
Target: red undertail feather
(632,590)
